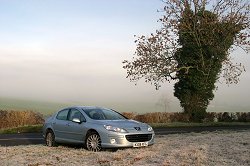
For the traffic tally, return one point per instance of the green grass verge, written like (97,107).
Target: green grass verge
(184,124)
(22,129)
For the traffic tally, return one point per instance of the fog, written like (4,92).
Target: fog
(62,51)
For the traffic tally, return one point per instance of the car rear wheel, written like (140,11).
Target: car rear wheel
(93,142)
(50,138)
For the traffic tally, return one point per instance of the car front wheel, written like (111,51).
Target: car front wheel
(50,138)
(93,142)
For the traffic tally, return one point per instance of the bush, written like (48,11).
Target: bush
(129,115)
(210,117)
(224,117)
(10,119)
(167,117)
(179,117)
(158,117)
(243,117)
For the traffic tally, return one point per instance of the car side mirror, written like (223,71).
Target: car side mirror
(76,120)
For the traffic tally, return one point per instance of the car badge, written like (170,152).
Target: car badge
(138,128)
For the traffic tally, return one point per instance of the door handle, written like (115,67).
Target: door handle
(68,124)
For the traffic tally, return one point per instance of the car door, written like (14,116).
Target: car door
(76,131)
(60,125)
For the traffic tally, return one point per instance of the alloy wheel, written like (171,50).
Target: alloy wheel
(93,142)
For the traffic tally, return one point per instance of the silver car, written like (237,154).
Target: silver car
(96,128)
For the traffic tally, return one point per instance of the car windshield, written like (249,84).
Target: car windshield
(103,114)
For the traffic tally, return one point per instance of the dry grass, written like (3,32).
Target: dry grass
(213,148)
(10,119)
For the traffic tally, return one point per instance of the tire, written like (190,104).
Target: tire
(50,139)
(93,142)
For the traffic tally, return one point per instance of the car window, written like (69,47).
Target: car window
(74,113)
(112,115)
(95,114)
(62,115)
(103,114)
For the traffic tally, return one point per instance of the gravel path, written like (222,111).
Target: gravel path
(207,148)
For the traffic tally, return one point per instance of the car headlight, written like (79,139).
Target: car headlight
(115,129)
(150,128)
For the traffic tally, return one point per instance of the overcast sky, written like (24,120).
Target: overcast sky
(72,51)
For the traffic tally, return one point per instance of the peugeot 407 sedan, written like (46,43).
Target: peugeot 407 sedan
(96,128)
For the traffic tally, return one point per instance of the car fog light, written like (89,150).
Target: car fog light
(112,141)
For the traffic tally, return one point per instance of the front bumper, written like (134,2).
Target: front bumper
(122,140)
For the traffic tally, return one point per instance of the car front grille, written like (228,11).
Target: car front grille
(139,137)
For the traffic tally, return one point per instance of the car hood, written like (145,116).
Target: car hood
(126,124)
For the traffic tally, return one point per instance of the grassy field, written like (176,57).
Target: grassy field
(224,148)
(45,108)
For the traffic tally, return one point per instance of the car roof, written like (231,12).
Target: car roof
(85,107)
